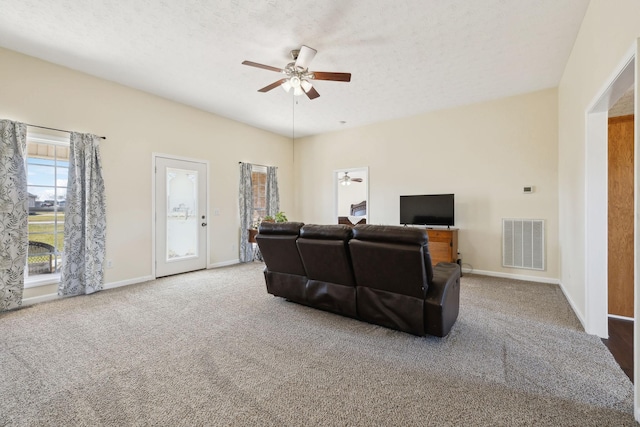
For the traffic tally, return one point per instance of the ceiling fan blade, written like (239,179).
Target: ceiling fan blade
(305,56)
(266,67)
(272,85)
(337,77)
(312,93)
(356,179)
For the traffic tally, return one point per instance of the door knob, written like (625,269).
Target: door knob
(204,224)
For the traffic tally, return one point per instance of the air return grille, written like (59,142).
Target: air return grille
(523,243)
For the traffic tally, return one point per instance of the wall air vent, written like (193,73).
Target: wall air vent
(523,243)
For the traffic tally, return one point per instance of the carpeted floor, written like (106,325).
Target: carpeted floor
(213,348)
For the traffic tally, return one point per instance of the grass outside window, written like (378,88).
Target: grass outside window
(47,228)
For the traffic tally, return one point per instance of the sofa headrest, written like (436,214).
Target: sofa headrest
(391,234)
(326,232)
(288,228)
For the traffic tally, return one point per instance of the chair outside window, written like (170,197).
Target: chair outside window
(42,258)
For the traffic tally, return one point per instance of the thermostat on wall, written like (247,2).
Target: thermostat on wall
(528,189)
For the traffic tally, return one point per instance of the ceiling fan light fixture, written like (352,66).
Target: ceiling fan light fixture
(297,84)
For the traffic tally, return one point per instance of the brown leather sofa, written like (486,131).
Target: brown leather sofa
(379,274)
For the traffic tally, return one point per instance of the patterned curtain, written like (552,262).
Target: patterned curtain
(14,213)
(246,212)
(273,197)
(85,219)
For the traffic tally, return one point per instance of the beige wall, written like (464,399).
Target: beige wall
(608,32)
(137,124)
(484,153)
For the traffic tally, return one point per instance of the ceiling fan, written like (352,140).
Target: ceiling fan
(347,180)
(298,75)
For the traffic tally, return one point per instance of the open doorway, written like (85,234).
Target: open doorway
(620,257)
(596,179)
(596,212)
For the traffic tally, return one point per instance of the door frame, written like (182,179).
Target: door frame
(596,178)
(595,232)
(154,157)
(336,190)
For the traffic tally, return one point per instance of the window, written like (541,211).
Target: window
(47,172)
(259,191)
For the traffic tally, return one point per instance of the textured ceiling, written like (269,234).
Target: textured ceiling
(406,56)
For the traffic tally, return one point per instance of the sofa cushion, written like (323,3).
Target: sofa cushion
(395,234)
(389,267)
(327,232)
(391,233)
(290,228)
(325,253)
(277,242)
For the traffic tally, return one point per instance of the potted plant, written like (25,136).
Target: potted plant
(279,217)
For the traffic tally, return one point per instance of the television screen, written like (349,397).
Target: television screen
(428,209)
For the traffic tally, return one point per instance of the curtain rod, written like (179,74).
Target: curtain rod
(255,164)
(58,130)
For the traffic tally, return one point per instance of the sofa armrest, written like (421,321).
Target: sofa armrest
(442,301)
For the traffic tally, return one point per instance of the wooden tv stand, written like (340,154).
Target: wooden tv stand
(443,244)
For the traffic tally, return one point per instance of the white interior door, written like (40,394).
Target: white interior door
(181,216)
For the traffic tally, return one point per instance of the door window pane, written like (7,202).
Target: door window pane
(182,214)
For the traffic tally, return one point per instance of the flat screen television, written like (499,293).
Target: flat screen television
(427,209)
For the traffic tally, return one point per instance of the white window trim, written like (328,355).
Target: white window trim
(47,139)
(42,280)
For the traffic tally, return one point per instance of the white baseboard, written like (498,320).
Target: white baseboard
(223,264)
(112,285)
(538,279)
(573,307)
